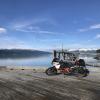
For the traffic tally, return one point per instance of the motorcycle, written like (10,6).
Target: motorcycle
(68,68)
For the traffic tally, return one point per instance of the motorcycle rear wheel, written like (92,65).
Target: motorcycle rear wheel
(83,73)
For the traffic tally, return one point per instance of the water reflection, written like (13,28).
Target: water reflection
(35,61)
(42,61)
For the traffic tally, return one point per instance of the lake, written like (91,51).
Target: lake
(43,61)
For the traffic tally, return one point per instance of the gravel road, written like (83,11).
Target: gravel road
(31,85)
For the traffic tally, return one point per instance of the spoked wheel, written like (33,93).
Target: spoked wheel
(51,71)
(86,73)
(80,72)
(83,73)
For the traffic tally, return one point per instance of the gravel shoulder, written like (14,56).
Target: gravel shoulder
(28,84)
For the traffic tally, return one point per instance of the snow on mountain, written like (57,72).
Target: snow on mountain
(83,49)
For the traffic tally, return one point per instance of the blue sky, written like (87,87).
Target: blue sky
(46,24)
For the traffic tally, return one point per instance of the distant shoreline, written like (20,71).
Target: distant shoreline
(19,53)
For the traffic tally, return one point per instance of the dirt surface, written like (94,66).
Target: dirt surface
(31,85)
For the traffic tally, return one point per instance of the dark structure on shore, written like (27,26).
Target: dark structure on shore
(65,55)
(98,54)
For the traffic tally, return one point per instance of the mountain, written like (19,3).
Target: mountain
(21,53)
(84,51)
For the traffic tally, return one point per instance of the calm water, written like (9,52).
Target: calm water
(44,61)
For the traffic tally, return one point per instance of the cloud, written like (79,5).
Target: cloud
(51,40)
(36,25)
(92,27)
(97,36)
(32,28)
(11,42)
(83,46)
(27,28)
(82,30)
(2,30)
(34,22)
(96,26)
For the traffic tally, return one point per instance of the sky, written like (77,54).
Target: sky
(47,24)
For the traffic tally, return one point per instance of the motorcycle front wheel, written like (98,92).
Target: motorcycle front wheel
(51,71)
